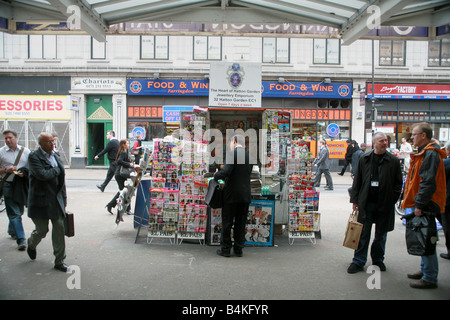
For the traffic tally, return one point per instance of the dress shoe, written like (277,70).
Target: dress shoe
(422,284)
(223,253)
(31,253)
(109,208)
(354,268)
(341,174)
(101,187)
(415,276)
(445,256)
(238,253)
(380,265)
(61,267)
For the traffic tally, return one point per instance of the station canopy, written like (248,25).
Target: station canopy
(351,18)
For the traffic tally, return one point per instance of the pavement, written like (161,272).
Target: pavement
(107,264)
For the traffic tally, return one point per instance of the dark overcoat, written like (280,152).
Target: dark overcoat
(390,188)
(47,197)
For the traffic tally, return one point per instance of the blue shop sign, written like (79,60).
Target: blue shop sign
(172,113)
(177,87)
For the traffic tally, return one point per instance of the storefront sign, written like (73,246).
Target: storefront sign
(138,131)
(307,90)
(319,114)
(270,89)
(234,84)
(172,113)
(333,130)
(144,112)
(337,149)
(409,91)
(167,87)
(97,84)
(35,107)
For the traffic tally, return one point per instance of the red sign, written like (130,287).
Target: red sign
(145,112)
(409,91)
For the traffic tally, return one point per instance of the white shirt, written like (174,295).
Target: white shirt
(8,158)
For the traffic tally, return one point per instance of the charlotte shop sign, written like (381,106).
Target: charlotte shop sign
(235,84)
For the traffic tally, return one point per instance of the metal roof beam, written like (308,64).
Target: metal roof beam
(89,20)
(372,15)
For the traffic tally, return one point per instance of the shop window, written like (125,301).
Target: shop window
(392,53)
(153,130)
(98,49)
(276,50)
(207,48)
(327,51)
(42,46)
(154,47)
(333,104)
(439,53)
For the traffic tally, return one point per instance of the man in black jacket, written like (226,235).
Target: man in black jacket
(237,196)
(111,148)
(47,199)
(348,156)
(376,187)
(444,218)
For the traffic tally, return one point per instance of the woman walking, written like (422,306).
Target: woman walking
(122,160)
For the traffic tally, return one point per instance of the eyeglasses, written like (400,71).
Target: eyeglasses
(49,142)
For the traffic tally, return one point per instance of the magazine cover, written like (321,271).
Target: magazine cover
(259,226)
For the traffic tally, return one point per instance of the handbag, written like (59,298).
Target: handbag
(125,172)
(353,232)
(8,174)
(214,195)
(421,234)
(135,152)
(69,225)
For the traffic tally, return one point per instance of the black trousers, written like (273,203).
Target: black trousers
(234,216)
(110,173)
(444,220)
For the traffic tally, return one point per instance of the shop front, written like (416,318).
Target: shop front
(31,105)
(100,106)
(400,106)
(154,106)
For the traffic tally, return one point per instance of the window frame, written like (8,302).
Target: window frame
(325,52)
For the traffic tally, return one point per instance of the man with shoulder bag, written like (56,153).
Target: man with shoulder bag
(425,193)
(13,161)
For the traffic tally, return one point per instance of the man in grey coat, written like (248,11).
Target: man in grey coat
(47,199)
(323,166)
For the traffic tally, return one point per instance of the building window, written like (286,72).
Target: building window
(2,45)
(42,46)
(155,47)
(276,50)
(439,53)
(327,51)
(98,49)
(207,48)
(392,53)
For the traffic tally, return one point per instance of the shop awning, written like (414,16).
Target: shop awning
(352,18)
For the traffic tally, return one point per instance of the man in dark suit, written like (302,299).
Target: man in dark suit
(237,196)
(47,199)
(111,149)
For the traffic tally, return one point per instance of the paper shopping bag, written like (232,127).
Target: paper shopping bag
(353,232)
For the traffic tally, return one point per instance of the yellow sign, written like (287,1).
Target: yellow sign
(34,107)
